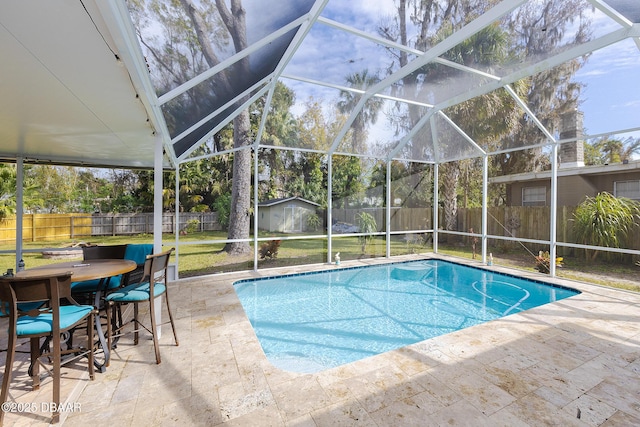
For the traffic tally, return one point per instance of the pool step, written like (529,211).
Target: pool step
(411,272)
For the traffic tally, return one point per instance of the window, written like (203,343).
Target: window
(534,196)
(629,189)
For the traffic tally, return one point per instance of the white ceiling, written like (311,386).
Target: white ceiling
(64,96)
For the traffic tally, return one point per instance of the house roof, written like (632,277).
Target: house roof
(78,87)
(274,202)
(614,168)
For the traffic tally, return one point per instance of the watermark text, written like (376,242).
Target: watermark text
(41,407)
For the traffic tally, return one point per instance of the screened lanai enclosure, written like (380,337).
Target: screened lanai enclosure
(478,126)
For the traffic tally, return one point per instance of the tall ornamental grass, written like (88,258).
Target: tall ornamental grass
(605,220)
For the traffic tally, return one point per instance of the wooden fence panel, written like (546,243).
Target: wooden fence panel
(530,222)
(49,227)
(401,218)
(43,227)
(518,221)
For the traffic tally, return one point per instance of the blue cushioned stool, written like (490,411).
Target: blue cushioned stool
(152,285)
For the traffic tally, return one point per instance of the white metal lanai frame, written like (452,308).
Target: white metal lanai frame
(111,39)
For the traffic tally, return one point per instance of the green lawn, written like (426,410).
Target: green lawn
(205,258)
(199,258)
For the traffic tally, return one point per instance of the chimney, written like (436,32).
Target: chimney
(571,153)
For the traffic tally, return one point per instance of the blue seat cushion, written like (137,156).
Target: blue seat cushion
(136,292)
(92,285)
(41,324)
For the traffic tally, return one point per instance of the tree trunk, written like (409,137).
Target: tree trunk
(449,186)
(240,213)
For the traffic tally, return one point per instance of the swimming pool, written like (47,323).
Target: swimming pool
(314,321)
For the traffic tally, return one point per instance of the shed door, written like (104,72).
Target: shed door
(292,219)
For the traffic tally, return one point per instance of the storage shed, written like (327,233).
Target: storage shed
(285,215)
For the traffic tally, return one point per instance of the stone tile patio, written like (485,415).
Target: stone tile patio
(575,362)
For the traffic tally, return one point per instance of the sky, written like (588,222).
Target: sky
(610,100)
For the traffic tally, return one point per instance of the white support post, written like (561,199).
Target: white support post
(176,220)
(157,195)
(329,207)
(485,200)
(388,209)
(553,212)
(19,209)
(157,218)
(435,208)
(256,182)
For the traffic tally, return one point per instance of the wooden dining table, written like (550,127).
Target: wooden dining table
(84,270)
(95,269)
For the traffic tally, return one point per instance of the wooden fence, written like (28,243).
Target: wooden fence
(50,227)
(524,222)
(515,221)
(402,219)
(528,222)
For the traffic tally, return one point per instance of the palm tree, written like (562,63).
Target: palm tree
(630,146)
(369,113)
(484,118)
(611,150)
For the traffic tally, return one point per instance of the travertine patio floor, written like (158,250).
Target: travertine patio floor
(575,362)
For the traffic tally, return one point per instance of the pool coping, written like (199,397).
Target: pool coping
(570,362)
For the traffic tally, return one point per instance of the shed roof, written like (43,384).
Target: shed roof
(275,202)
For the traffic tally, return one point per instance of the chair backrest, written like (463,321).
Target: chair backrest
(104,252)
(155,267)
(138,252)
(20,293)
(7,300)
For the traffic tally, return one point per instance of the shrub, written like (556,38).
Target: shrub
(313,222)
(269,249)
(367,224)
(543,262)
(604,220)
(192,226)
(222,206)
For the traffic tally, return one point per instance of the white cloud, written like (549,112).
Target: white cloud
(632,104)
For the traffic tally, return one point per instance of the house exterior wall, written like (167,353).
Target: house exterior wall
(606,182)
(572,189)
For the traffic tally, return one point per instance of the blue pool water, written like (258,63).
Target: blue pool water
(315,321)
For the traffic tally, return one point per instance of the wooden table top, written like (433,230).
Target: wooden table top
(83,270)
